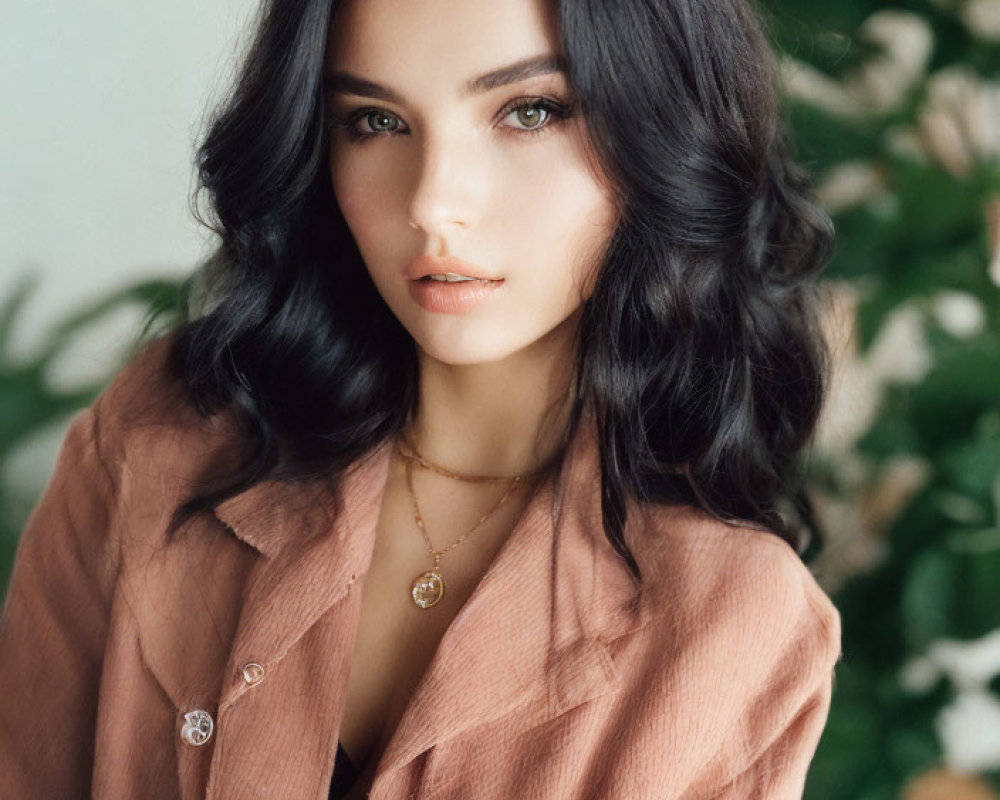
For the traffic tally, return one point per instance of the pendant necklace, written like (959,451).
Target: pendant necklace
(427,589)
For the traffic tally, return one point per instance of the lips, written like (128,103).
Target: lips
(460,297)
(425,265)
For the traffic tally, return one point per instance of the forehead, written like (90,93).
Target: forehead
(403,41)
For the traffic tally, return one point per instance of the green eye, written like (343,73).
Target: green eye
(529,115)
(381,121)
(534,115)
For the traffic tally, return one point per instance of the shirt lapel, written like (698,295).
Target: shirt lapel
(532,635)
(315,542)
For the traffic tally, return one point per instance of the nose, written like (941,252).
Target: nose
(449,186)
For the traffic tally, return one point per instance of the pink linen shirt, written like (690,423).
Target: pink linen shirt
(557,680)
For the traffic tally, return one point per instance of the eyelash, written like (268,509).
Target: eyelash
(556,113)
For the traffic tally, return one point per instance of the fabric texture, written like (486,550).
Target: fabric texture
(559,679)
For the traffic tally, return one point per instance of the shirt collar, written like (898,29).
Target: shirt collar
(535,630)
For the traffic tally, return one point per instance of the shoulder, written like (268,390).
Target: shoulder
(703,571)
(739,648)
(146,405)
(155,444)
(736,611)
(734,672)
(145,391)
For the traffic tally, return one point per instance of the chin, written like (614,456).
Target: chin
(462,356)
(475,348)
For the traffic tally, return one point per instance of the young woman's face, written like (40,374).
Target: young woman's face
(512,191)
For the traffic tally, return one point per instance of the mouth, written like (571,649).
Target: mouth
(447,269)
(451,277)
(457,296)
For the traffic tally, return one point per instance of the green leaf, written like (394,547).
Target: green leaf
(957,392)
(11,308)
(929,596)
(951,594)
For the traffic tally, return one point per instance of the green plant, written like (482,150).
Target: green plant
(896,108)
(29,402)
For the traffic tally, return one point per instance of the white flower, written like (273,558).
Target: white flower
(848,184)
(804,82)
(907,42)
(969,726)
(961,120)
(900,352)
(853,398)
(959,313)
(880,84)
(969,664)
(982,18)
(918,675)
(969,730)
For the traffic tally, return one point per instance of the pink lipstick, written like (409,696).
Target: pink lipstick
(457,288)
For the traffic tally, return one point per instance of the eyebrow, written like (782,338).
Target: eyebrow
(346,83)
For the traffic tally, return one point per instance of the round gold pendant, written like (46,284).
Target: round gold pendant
(428,589)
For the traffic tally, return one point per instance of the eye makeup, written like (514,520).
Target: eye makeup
(553,113)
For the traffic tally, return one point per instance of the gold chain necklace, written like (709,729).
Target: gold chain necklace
(427,588)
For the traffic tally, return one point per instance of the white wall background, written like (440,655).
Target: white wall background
(101,103)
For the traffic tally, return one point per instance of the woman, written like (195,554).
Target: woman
(474,474)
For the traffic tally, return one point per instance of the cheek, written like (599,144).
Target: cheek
(348,180)
(364,212)
(355,185)
(565,222)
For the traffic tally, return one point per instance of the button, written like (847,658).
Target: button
(197,727)
(253,673)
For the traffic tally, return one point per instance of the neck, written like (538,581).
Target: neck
(501,418)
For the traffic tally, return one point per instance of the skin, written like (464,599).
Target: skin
(495,382)
(478,184)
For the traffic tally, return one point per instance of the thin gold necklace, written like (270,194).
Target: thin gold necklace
(427,589)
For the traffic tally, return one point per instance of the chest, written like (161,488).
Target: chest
(396,640)
(516,689)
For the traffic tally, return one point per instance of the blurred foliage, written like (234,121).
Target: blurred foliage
(921,235)
(29,401)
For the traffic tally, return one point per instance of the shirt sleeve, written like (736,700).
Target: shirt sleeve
(54,625)
(784,722)
(779,772)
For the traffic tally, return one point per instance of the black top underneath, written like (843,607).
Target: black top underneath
(344,774)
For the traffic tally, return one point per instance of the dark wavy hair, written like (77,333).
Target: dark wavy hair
(699,347)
